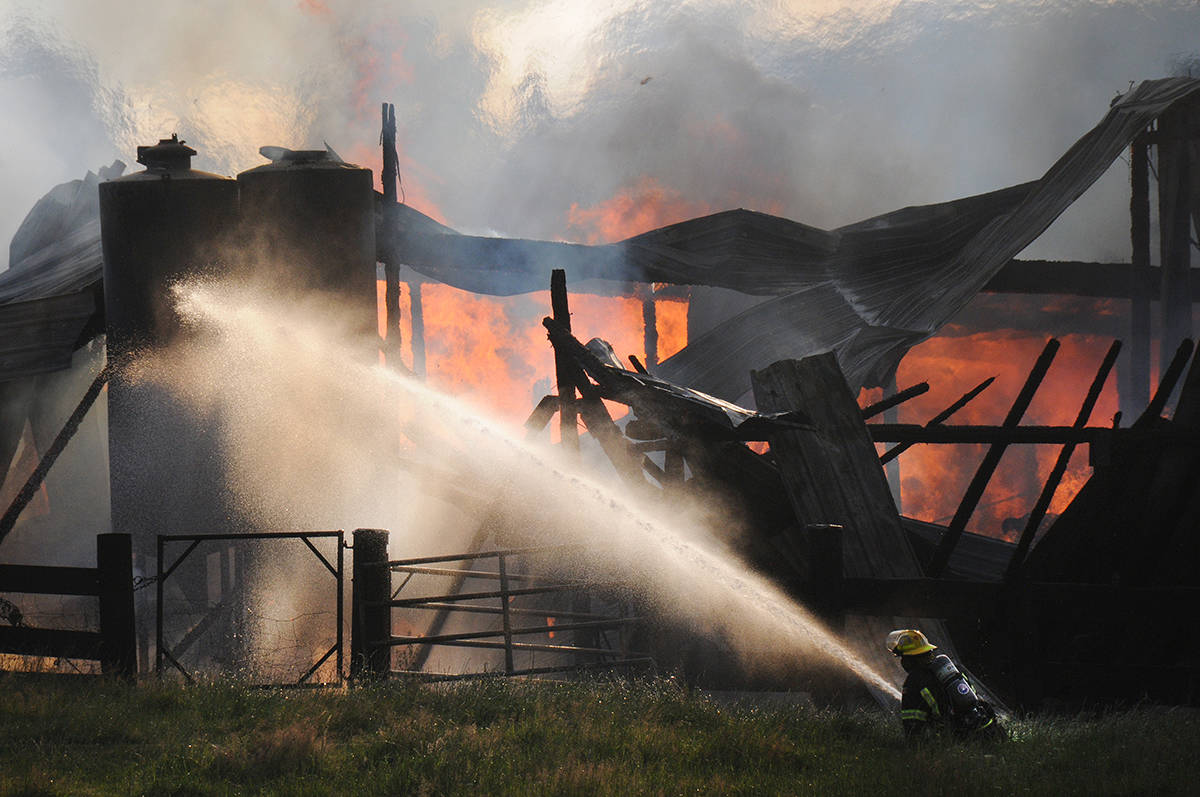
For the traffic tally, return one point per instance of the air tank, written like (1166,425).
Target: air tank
(157,227)
(309,218)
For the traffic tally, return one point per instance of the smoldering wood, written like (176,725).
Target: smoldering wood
(894,400)
(990,461)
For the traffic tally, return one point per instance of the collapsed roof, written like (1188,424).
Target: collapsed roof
(867,291)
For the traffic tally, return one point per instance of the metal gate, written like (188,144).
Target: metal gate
(229,609)
(598,630)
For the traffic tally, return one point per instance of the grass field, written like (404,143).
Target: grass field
(81,736)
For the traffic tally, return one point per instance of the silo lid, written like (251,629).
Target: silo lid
(169,154)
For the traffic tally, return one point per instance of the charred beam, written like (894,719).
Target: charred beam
(990,461)
(944,415)
(1166,385)
(1060,465)
(567,413)
(1136,389)
(895,400)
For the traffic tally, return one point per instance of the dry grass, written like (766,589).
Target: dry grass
(81,736)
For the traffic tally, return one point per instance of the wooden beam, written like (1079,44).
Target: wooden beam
(30,488)
(1166,386)
(41,580)
(391,269)
(832,474)
(417,313)
(650,327)
(894,400)
(1060,466)
(1175,223)
(990,461)
(1136,386)
(540,418)
(936,420)
(51,642)
(567,413)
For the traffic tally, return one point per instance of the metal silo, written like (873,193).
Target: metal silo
(159,226)
(309,219)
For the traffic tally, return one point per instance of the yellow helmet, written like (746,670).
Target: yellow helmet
(908,642)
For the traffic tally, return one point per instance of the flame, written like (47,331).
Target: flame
(644,206)
(934,478)
(550,621)
(671,315)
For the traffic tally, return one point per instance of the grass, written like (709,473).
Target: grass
(82,736)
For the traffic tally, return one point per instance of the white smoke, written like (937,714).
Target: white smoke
(513,111)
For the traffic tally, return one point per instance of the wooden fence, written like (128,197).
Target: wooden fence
(114,644)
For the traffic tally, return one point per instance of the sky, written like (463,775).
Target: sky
(532,117)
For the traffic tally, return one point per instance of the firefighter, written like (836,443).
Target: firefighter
(937,697)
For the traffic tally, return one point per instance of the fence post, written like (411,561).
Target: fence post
(825,572)
(370,612)
(506,620)
(114,560)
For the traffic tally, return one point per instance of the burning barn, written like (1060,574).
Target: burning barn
(826,313)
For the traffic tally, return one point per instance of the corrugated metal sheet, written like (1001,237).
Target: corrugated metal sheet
(48,295)
(867,291)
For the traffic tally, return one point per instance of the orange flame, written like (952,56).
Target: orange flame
(645,206)
(934,477)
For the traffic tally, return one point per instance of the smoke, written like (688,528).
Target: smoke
(512,112)
(311,429)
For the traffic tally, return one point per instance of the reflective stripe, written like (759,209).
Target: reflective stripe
(914,714)
(931,701)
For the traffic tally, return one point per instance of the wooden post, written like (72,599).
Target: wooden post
(416,311)
(114,560)
(1175,223)
(650,327)
(826,572)
(371,616)
(391,270)
(1135,388)
(505,616)
(567,414)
